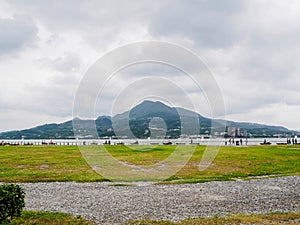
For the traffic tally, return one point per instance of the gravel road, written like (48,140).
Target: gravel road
(106,204)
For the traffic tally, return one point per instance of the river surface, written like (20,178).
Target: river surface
(179,141)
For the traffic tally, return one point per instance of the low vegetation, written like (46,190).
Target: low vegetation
(49,218)
(273,218)
(11,202)
(65,163)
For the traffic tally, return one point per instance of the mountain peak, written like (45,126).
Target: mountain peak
(151,108)
(151,103)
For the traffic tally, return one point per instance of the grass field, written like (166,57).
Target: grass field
(65,163)
(49,218)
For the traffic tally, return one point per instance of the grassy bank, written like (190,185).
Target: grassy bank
(273,218)
(65,163)
(49,218)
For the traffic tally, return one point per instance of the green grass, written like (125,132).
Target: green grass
(141,155)
(66,163)
(273,218)
(48,218)
(51,218)
(44,163)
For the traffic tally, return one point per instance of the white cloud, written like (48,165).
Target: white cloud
(279,114)
(11,119)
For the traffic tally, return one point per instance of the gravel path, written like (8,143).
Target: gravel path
(116,204)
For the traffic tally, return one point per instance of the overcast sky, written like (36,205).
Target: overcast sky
(252,48)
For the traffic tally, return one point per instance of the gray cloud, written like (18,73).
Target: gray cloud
(100,23)
(207,23)
(17,33)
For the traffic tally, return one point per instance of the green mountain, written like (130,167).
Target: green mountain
(147,119)
(46,131)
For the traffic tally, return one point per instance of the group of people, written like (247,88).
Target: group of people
(107,142)
(293,140)
(232,141)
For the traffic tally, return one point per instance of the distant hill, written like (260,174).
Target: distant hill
(143,120)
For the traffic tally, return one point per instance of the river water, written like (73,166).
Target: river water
(180,141)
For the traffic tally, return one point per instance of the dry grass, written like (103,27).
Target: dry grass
(49,218)
(269,219)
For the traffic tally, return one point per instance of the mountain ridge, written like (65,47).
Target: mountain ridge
(141,121)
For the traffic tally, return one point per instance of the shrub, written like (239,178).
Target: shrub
(11,202)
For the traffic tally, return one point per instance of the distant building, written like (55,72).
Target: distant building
(231,131)
(236,132)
